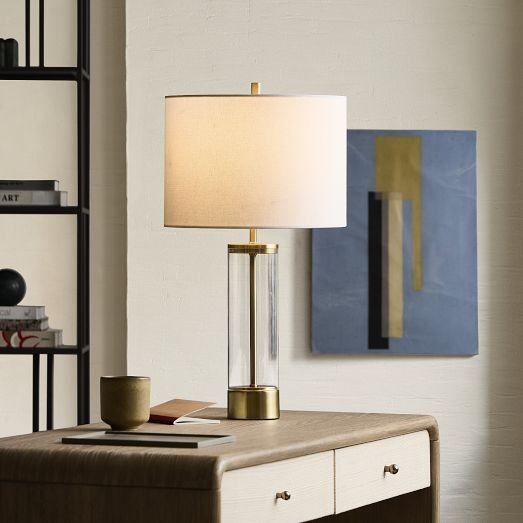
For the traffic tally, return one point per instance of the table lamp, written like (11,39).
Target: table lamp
(258,162)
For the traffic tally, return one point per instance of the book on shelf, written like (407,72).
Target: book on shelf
(33,198)
(22,312)
(31,339)
(175,412)
(24,325)
(29,185)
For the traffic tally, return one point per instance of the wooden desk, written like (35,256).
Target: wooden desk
(331,465)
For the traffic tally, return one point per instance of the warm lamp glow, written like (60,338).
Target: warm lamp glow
(255,161)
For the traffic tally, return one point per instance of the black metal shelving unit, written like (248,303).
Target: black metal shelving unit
(80,75)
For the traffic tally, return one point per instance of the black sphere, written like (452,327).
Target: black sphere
(12,287)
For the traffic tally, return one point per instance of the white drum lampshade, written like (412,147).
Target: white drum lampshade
(254,161)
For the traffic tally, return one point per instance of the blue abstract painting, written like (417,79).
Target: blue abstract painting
(401,278)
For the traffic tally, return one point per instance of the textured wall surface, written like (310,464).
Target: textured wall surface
(418,64)
(38,139)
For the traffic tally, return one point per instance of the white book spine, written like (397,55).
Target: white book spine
(33,198)
(31,339)
(22,312)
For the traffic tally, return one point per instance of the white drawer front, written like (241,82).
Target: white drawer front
(361,478)
(249,494)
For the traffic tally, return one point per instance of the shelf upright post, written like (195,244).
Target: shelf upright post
(50,390)
(28,33)
(36,392)
(41,33)
(83,110)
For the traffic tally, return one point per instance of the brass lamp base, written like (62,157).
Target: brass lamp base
(253,403)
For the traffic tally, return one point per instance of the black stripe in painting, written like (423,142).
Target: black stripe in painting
(375,255)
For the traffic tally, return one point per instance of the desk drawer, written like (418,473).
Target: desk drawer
(249,494)
(360,470)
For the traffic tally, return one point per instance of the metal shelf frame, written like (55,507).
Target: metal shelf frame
(62,74)
(81,75)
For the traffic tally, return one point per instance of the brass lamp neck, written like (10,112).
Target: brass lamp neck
(255,89)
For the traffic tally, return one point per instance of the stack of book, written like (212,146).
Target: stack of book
(27,326)
(31,192)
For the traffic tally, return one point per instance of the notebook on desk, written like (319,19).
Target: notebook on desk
(148,439)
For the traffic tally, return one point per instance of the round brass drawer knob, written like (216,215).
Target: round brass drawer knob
(393,469)
(283,495)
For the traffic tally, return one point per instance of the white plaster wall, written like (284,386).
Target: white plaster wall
(413,64)
(38,140)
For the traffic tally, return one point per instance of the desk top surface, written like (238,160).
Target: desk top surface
(41,457)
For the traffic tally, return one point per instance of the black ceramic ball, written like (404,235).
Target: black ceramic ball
(12,287)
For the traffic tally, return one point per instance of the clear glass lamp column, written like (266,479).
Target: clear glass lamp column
(253,332)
